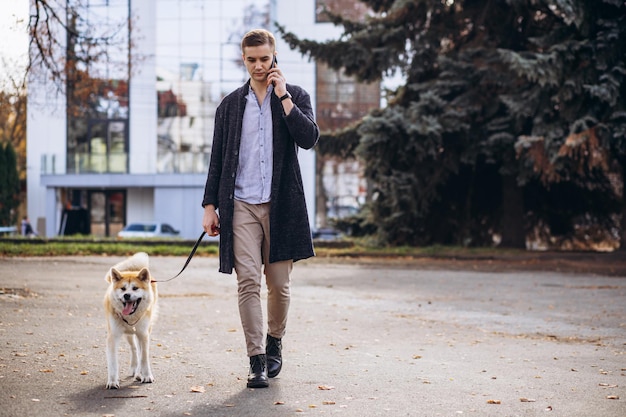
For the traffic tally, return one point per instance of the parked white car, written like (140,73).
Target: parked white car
(141,230)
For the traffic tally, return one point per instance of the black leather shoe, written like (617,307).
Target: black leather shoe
(273,347)
(258,372)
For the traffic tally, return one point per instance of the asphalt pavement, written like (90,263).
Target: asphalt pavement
(364,339)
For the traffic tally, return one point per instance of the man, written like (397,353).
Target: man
(27,229)
(255,184)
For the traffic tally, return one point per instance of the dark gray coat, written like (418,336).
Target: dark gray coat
(290,235)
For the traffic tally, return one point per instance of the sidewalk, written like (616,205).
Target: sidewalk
(364,339)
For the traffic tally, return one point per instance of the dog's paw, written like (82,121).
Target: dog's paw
(145,379)
(113,384)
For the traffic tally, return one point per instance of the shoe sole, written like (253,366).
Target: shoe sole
(258,385)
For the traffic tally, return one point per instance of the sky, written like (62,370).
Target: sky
(14,35)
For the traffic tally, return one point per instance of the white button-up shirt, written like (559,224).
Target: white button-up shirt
(253,183)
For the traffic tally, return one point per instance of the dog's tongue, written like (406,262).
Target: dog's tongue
(128,308)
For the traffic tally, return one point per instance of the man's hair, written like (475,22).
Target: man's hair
(258,37)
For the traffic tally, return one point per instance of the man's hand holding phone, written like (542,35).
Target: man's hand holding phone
(280,86)
(275,77)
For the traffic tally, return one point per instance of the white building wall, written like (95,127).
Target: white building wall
(45,143)
(45,150)
(181,208)
(139,205)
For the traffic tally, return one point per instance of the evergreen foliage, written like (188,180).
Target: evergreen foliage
(507,104)
(9,185)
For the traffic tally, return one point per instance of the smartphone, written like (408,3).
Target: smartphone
(274,63)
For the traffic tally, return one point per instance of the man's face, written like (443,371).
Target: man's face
(258,60)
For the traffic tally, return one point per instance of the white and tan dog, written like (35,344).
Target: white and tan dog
(130,305)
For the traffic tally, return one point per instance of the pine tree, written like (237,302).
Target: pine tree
(9,185)
(507,103)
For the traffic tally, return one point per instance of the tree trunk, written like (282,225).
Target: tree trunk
(512,227)
(622,240)
(320,192)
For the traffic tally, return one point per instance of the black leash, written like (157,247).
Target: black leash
(193,251)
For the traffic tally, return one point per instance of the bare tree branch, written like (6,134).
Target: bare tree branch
(61,31)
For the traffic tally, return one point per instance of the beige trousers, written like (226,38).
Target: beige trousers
(251,245)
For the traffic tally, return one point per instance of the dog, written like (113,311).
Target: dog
(130,305)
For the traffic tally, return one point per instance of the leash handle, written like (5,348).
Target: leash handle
(193,251)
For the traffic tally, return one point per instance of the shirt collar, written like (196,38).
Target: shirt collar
(270,88)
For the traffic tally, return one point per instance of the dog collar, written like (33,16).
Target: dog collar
(131,325)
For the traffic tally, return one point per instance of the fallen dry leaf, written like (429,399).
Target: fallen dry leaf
(197,388)
(279,402)
(417,356)
(612,397)
(46,370)
(494,402)
(527,400)
(549,408)
(328,402)
(325,387)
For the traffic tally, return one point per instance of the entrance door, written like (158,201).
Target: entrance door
(106,210)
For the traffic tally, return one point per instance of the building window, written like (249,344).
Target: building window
(349,9)
(98,68)
(341,100)
(198,62)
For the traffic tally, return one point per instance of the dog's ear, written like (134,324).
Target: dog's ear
(113,275)
(144,275)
